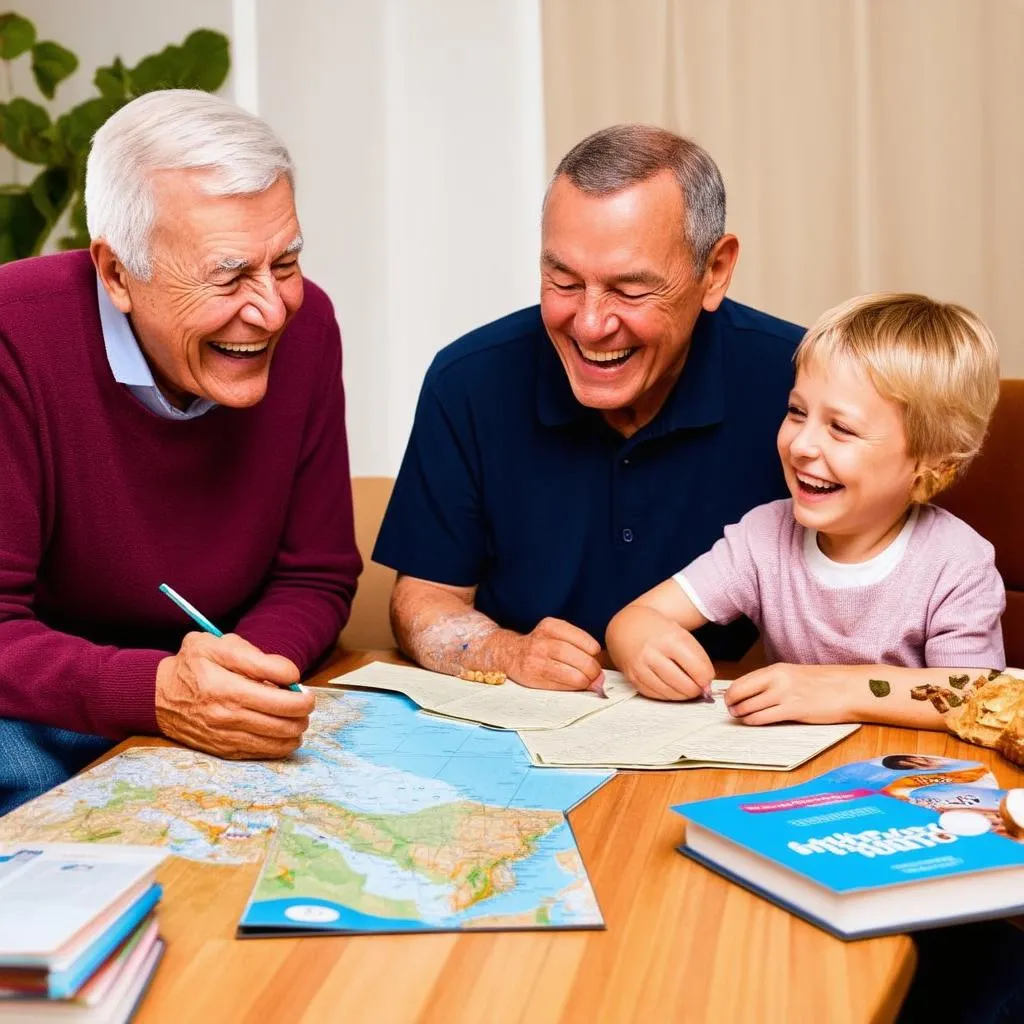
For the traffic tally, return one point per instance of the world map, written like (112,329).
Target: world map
(386,819)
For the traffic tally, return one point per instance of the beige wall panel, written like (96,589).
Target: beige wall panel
(947,158)
(866,144)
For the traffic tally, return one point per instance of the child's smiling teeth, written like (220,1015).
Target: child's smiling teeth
(816,484)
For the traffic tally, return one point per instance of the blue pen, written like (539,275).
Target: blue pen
(200,619)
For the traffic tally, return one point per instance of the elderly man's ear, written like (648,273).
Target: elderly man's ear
(112,274)
(718,271)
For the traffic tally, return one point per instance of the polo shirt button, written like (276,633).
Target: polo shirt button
(627,535)
(625,462)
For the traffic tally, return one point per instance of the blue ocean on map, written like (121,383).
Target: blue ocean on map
(490,766)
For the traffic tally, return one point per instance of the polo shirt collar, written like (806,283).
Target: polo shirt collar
(697,400)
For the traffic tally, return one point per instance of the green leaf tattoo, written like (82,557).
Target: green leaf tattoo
(880,687)
(959,682)
(994,674)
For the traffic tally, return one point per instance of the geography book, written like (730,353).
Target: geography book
(894,844)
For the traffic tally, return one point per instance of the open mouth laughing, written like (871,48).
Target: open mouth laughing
(241,350)
(816,486)
(609,359)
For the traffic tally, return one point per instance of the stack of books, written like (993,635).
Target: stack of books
(79,939)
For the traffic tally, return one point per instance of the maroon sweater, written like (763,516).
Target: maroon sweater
(246,512)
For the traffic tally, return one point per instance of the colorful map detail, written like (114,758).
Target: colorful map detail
(386,819)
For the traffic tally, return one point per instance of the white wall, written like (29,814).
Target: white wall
(417,128)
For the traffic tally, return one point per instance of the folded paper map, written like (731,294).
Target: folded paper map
(508,706)
(580,730)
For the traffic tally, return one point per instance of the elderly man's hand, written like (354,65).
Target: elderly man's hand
(224,696)
(556,655)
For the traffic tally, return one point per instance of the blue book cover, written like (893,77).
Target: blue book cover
(65,983)
(890,821)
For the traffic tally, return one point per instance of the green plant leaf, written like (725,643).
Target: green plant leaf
(21,224)
(164,70)
(79,237)
(210,59)
(17,34)
(51,191)
(26,130)
(76,128)
(51,64)
(114,82)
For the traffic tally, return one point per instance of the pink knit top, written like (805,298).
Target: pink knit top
(933,597)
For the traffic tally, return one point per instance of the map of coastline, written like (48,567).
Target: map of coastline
(386,819)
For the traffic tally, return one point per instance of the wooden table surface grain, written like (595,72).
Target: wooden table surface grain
(681,944)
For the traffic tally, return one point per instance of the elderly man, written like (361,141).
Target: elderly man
(171,409)
(568,457)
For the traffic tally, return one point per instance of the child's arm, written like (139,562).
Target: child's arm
(650,641)
(843,693)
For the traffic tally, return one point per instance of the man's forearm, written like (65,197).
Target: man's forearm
(443,632)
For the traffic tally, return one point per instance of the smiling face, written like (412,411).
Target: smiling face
(225,283)
(619,294)
(844,452)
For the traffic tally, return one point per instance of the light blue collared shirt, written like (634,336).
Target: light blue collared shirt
(129,366)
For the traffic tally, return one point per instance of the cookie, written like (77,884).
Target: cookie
(490,678)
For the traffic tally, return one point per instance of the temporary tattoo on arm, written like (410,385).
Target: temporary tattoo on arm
(959,682)
(880,687)
(993,673)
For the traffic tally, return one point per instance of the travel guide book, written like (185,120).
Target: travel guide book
(895,844)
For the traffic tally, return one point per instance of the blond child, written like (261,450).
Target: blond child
(861,589)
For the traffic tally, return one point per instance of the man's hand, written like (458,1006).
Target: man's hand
(224,696)
(668,664)
(555,655)
(790,693)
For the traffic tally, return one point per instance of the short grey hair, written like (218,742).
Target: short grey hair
(615,158)
(173,129)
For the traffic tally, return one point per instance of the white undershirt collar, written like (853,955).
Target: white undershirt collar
(841,575)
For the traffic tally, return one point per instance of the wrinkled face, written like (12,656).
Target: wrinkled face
(225,283)
(619,295)
(844,452)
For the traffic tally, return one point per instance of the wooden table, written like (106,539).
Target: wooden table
(681,944)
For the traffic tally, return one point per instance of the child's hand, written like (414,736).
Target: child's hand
(788,693)
(669,665)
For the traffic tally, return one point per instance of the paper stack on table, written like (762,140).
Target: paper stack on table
(580,730)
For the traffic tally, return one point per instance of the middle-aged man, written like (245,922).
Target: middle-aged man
(568,457)
(171,409)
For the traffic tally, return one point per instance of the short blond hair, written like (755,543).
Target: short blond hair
(936,360)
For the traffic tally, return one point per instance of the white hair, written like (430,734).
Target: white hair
(173,129)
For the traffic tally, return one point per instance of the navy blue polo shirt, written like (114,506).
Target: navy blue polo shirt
(509,484)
